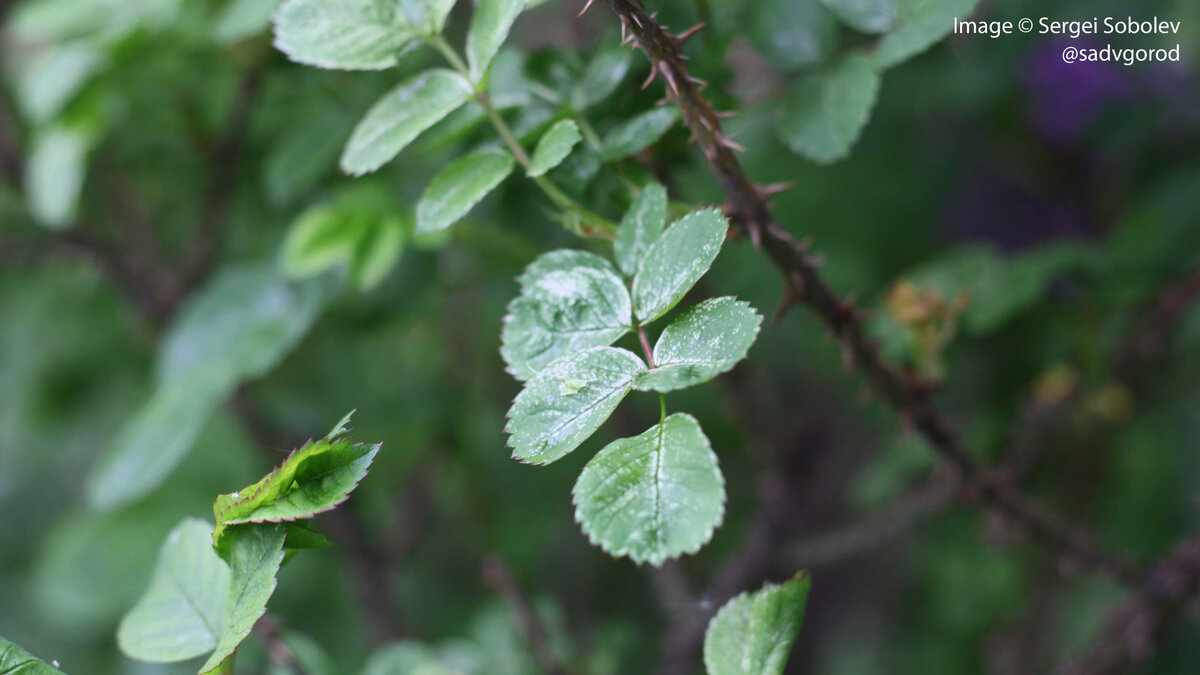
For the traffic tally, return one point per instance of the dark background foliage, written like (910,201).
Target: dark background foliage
(1063,197)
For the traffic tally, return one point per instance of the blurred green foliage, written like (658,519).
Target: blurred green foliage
(1056,202)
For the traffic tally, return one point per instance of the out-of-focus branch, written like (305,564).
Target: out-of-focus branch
(803,283)
(1133,629)
(223,171)
(1149,338)
(498,576)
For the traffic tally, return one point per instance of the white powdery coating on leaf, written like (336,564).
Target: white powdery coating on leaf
(675,262)
(655,496)
(642,226)
(701,343)
(570,300)
(545,423)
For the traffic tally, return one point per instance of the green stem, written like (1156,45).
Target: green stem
(599,225)
(662,408)
(589,134)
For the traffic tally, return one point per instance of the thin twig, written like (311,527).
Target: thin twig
(751,212)
(1132,630)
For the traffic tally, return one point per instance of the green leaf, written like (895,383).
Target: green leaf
(426,17)
(311,480)
(240,19)
(554,147)
(461,185)
(237,327)
(342,34)
(922,23)
(254,553)
(400,116)
(243,322)
(151,444)
(639,132)
(866,16)
(17,661)
(792,34)
(55,174)
(377,253)
(754,632)
(299,536)
(320,238)
(655,496)
(824,113)
(489,27)
(701,343)
(570,300)
(603,74)
(55,76)
(181,614)
(676,261)
(564,403)
(642,226)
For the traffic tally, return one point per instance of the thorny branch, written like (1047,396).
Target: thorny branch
(804,285)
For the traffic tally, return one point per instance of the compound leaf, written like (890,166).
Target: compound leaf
(676,261)
(701,343)
(342,34)
(489,27)
(754,632)
(253,553)
(181,614)
(400,116)
(824,113)
(460,186)
(553,147)
(570,300)
(642,226)
(564,403)
(655,496)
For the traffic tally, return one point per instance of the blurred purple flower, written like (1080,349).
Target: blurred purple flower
(1011,216)
(1066,98)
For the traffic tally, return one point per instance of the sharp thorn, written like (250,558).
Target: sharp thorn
(669,78)
(729,143)
(698,81)
(586,7)
(768,191)
(650,77)
(725,114)
(637,20)
(687,34)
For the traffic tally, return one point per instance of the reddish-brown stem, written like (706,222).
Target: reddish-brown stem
(641,331)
